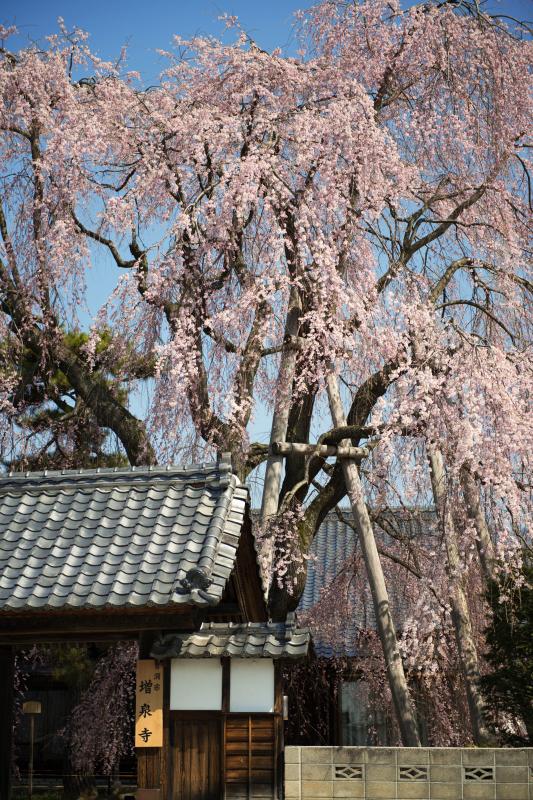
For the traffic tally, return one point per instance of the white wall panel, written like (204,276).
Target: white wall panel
(252,684)
(196,684)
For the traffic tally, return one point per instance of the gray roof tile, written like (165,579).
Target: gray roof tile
(252,640)
(118,537)
(332,549)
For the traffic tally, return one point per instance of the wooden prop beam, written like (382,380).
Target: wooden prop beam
(384,622)
(324,450)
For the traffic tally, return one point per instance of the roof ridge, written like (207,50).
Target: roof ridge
(109,470)
(16,481)
(198,579)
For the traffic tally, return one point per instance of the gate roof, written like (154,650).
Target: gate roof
(251,640)
(118,538)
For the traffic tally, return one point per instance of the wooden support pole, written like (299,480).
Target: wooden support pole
(149,759)
(32,744)
(324,450)
(7,676)
(385,625)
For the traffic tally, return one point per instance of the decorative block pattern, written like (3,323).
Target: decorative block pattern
(413,773)
(479,773)
(405,773)
(348,771)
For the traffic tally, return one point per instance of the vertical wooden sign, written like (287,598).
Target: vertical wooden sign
(149,704)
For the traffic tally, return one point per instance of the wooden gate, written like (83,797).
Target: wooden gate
(196,756)
(250,760)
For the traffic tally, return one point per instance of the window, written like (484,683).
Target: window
(195,684)
(362,722)
(252,685)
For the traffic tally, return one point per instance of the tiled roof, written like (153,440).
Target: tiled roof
(331,551)
(118,538)
(252,640)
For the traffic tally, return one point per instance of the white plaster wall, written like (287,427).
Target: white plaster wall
(252,684)
(195,684)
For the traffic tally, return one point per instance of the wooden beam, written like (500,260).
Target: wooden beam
(223,610)
(7,677)
(87,627)
(278,728)
(26,639)
(91,626)
(226,671)
(247,578)
(166,752)
(324,450)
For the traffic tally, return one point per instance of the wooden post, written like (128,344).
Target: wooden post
(279,744)
(166,752)
(7,676)
(385,625)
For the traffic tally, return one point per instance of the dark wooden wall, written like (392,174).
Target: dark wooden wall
(7,675)
(149,767)
(195,756)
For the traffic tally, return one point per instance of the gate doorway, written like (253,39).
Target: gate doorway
(215,756)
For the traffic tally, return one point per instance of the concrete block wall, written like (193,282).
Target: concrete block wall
(405,773)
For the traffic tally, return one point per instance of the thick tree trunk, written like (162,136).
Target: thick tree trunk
(387,634)
(460,611)
(484,543)
(75,783)
(7,677)
(278,433)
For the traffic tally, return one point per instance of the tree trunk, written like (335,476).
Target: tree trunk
(74,781)
(109,412)
(460,611)
(278,433)
(484,543)
(398,684)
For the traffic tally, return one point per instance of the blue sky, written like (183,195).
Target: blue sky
(146,26)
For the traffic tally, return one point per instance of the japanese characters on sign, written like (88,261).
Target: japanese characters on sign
(149,704)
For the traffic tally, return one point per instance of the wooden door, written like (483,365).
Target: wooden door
(250,763)
(195,756)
